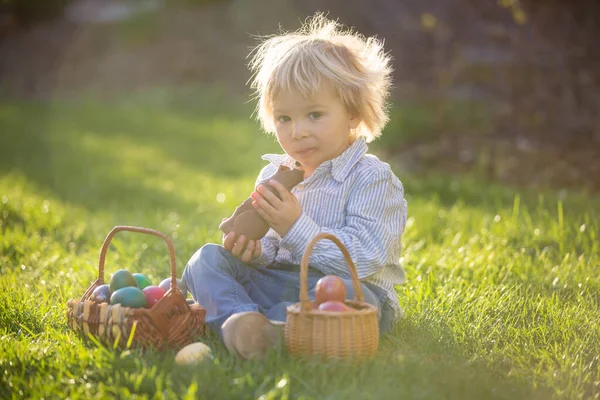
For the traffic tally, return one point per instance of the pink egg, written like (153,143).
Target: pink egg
(153,294)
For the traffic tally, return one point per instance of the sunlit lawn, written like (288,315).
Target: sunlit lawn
(503,287)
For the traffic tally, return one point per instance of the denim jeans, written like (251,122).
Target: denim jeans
(224,285)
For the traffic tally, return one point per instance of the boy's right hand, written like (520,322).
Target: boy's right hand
(245,250)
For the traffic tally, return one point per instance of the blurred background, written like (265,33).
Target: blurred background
(505,89)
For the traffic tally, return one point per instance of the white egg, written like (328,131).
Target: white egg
(194,353)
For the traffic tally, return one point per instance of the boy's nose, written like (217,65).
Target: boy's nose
(299,131)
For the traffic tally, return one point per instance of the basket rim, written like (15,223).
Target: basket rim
(71,303)
(296,308)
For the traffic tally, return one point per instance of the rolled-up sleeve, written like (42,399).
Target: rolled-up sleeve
(375,221)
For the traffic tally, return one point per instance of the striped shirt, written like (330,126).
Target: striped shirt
(357,198)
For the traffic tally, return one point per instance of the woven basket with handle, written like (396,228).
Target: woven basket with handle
(343,335)
(171,322)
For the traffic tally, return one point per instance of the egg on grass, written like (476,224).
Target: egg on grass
(194,353)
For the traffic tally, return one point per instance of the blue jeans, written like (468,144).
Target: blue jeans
(224,285)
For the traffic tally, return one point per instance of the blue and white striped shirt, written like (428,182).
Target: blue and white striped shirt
(357,198)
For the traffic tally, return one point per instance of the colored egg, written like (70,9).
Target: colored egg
(334,306)
(120,279)
(193,354)
(101,294)
(330,288)
(129,296)
(142,280)
(166,285)
(153,294)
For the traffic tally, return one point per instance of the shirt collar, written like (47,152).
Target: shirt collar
(339,166)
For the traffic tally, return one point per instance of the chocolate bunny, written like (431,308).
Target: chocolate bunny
(245,220)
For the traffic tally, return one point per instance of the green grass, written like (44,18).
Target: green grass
(501,301)
(425,120)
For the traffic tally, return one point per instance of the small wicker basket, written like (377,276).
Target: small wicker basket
(342,335)
(171,322)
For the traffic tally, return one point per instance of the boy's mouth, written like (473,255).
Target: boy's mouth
(305,151)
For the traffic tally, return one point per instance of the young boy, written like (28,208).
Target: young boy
(322,91)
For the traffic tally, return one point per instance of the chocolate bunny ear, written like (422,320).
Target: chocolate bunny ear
(283,168)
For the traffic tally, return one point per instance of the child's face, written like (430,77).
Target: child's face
(312,129)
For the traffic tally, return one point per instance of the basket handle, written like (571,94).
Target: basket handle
(106,244)
(304,300)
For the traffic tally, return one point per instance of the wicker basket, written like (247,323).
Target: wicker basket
(171,322)
(343,335)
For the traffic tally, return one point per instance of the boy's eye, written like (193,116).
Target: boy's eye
(283,118)
(314,115)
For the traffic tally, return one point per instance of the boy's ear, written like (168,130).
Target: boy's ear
(353,122)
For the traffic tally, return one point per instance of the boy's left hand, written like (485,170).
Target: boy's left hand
(280,213)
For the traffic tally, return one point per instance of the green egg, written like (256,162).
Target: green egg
(142,280)
(120,279)
(129,297)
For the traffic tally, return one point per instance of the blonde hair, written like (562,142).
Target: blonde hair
(357,67)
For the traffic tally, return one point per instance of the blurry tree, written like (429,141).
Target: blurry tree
(535,65)
(33,10)
(491,83)
(573,29)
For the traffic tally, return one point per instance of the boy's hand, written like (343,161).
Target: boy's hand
(245,250)
(280,213)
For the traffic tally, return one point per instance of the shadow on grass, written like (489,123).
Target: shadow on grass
(431,362)
(94,155)
(419,360)
(74,149)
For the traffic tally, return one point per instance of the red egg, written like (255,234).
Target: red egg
(335,306)
(153,294)
(330,288)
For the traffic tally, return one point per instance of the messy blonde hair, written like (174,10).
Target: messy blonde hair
(320,50)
